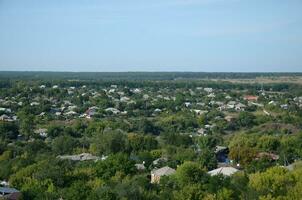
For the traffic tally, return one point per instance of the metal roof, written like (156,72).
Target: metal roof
(7,190)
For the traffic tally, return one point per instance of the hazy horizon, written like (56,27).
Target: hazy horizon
(151,36)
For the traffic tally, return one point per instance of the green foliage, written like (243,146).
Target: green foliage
(115,163)
(208,159)
(191,173)
(63,145)
(246,119)
(26,123)
(109,142)
(139,135)
(8,131)
(276,181)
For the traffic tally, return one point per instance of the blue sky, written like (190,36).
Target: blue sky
(151,35)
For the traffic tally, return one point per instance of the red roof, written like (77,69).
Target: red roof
(250,98)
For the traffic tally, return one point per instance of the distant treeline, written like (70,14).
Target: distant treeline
(136,75)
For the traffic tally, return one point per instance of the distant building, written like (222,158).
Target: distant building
(284,106)
(10,193)
(41,131)
(158,173)
(229,118)
(250,98)
(226,171)
(140,167)
(113,110)
(202,132)
(240,107)
(81,157)
(209,90)
(212,95)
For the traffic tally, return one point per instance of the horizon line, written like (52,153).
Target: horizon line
(50,71)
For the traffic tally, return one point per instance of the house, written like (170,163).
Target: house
(42,114)
(209,90)
(124,99)
(72,107)
(111,91)
(34,103)
(167,98)
(228,97)
(226,171)
(10,193)
(187,104)
(202,132)
(250,98)
(158,173)
(41,131)
(212,95)
(200,112)
(91,111)
(157,110)
(200,104)
(58,113)
(137,91)
(284,106)
(6,110)
(80,157)
(113,110)
(140,167)
(5,117)
(209,126)
(4,183)
(240,107)
(145,96)
(229,118)
(231,104)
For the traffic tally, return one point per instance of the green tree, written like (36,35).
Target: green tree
(275,181)
(208,159)
(191,173)
(63,145)
(109,142)
(246,119)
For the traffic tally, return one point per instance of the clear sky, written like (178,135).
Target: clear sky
(151,35)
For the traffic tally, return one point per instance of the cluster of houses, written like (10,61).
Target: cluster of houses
(225,166)
(198,100)
(156,173)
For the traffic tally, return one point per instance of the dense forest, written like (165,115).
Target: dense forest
(141,75)
(154,135)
